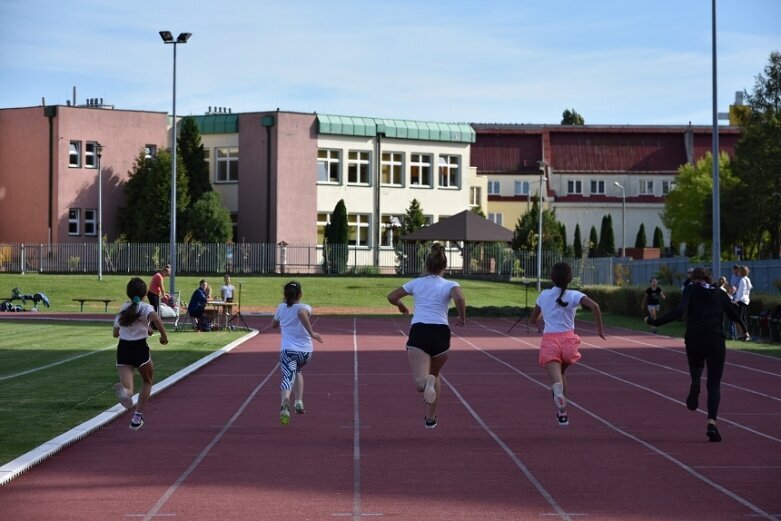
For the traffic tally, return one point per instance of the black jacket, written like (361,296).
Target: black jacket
(704,306)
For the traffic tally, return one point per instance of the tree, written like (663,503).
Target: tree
(209,221)
(607,241)
(526,230)
(193,157)
(658,238)
(337,236)
(408,254)
(146,215)
(755,211)
(577,243)
(640,240)
(593,243)
(571,117)
(413,218)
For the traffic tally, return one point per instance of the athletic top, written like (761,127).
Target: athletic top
(294,335)
(432,298)
(559,319)
(227,291)
(743,291)
(653,295)
(156,285)
(139,329)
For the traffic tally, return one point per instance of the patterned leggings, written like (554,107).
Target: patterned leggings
(290,364)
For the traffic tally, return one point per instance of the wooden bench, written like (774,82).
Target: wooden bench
(105,301)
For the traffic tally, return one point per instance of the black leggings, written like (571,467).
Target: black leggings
(707,351)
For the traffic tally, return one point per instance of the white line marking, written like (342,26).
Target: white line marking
(197,461)
(356,430)
(53,364)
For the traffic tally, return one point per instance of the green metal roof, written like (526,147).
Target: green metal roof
(395,128)
(217,123)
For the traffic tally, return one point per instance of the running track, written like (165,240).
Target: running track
(213,449)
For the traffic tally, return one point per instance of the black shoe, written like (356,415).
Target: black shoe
(692,401)
(431,424)
(713,433)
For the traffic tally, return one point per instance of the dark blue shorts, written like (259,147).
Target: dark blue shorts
(133,352)
(432,339)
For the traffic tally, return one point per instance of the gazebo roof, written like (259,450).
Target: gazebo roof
(466,226)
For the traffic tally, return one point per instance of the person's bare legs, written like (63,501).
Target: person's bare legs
(298,391)
(555,372)
(425,373)
(147,372)
(124,389)
(436,366)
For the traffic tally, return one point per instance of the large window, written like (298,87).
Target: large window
(597,187)
(74,221)
(90,155)
(667,187)
(90,221)
(574,187)
(328,166)
(358,226)
(646,187)
(475,196)
(227,167)
(358,167)
(494,187)
(420,170)
(495,218)
(448,171)
(521,188)
(74,154)
(390,230)
(392,168)
(323,219)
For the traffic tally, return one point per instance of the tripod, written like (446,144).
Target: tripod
(238,314)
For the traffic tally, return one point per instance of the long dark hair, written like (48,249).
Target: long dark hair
(136,289)
(292,292)
(436,260)
(561,275)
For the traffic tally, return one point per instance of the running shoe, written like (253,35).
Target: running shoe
(653,330)
(284,414)
(122,396)
(430,391)
(562,418)
(558,396)
(713,433)
(431,423)
(299,407)
(136,422)
(692,401)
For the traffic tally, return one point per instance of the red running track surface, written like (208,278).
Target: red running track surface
(213,448)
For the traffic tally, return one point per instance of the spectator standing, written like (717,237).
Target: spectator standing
(742,299)
(227,291)
(156,289)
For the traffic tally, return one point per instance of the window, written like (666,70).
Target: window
(323,219)
(574,187)
(328,166)
(74,219)
(90,221)
(357,167)
(358,226)
(667,187)
(646,187)
(235,226)
(391,230)
(90,155)
(521,188)
(598,187)
(448,171)
(227,168)
(150,151)
(74,154)
(495,218)
(475,198)
(420,170)
(494,187)
(391,169)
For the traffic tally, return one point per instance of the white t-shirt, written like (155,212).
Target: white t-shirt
(227,291)
(139,329)
(294,335)
(559,319)
(432,298)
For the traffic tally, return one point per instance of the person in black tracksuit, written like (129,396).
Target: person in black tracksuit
(704,306)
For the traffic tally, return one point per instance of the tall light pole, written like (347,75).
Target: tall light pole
(623,218)
(716,207)
(543,177)
(169,38)
(99,154)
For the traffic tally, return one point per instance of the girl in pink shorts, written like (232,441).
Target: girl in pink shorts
(559,346)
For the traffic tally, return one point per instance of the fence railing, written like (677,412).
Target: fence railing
(488,260)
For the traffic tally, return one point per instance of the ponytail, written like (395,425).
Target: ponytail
(136,289)
(292,292)
(561,275)
(436,261)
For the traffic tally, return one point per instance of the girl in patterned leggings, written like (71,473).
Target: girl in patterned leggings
(292,317)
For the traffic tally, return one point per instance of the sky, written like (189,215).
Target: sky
(616,62)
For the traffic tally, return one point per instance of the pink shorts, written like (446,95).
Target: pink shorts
(559,347)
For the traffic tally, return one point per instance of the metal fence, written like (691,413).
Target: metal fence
(482,260)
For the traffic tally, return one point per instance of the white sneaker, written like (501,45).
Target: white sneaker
(124,398)
(558,396)
(430,391)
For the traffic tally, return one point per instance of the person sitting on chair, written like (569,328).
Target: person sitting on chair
(197,306)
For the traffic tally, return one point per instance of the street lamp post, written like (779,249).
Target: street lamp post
(543,178)
(99,154)
(623,218)
(169,38)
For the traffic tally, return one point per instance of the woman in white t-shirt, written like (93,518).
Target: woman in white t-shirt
(131,326)
(429,335)
(292,317)
(559,346)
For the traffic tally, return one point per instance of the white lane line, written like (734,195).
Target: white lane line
(356,430)
(518,463)
(197,461)
(53,364)
(732,495)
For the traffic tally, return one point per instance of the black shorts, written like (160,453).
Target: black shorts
(133,352)
(432,339)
